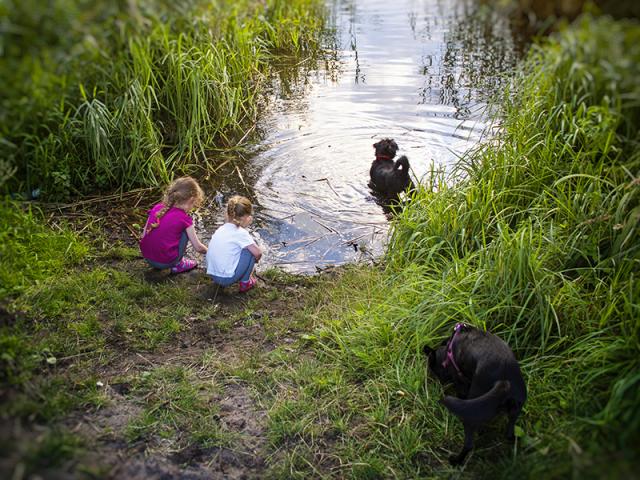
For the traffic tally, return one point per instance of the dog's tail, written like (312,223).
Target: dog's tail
(480,409)
(403,162)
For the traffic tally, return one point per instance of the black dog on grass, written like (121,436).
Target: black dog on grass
(389,178)
(486,377)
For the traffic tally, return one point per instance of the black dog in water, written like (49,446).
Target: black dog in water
(486,377)
(389,178)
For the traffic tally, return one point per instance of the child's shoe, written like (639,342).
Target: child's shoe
(248,285)
(184,265)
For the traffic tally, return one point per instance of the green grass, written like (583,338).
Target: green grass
(113,95)
(538,241)
(51,450)
(31,252)
(177,403)
(102,305)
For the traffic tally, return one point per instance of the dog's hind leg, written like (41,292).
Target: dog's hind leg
(469,430)
(513,415)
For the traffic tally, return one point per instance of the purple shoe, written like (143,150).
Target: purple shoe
(184,265)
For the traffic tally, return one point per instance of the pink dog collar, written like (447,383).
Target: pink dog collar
(449,359)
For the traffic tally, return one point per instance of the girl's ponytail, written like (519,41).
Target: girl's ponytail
(238,207)
(180,190)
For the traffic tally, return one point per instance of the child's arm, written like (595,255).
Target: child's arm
(195,241)
(255,251)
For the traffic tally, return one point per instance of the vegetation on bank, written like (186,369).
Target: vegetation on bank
(538,241)
(114,95)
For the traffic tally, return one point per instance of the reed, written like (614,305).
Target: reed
(115,95)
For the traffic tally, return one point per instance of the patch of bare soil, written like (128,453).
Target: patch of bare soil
(159,459)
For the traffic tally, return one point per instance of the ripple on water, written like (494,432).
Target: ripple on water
(416,71)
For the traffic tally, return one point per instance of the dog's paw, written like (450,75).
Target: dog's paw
(454,460)
(510,433)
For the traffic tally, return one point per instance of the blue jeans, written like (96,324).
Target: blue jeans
(182,246)
(243,270)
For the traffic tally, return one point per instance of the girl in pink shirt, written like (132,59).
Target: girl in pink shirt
(169,227)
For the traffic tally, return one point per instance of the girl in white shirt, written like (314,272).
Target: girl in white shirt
(232,253)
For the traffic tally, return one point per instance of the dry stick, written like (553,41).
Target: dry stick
(325,226)
(145,359)
(292,262)
(240,175)
(305,209)
(303,240)
(220,166)
(133,232)
(215,295)
(284,218)
(330,186)
(316,215)
(317,221)
(140,197)
(354,239)
(311,242)
(369,224)
(76,355)
(261,277)
(246,134)
(61,206)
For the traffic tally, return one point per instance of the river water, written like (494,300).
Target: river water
(418,71)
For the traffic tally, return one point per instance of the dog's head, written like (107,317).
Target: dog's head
(386,148)
(435,359)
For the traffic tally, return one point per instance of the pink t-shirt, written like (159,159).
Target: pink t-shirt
(161,243)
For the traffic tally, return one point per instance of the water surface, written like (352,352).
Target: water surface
(417,71)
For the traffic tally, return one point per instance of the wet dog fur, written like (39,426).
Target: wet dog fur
(389,178)
(489,382)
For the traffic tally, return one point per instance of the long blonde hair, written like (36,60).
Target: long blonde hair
(178,191)
(238,207)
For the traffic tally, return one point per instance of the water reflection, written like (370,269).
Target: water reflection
(417,71)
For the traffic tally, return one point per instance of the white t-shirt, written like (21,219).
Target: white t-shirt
(224,250)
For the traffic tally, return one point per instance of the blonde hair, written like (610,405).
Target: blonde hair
(180,190)
(237,208)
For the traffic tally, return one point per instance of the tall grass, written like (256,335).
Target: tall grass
(538,241)
(119,94)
